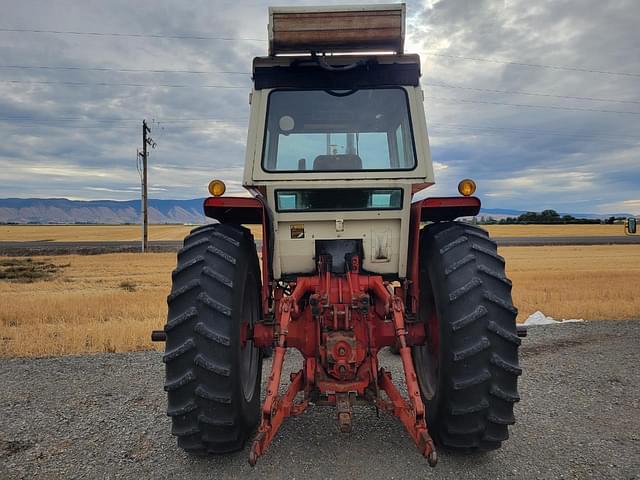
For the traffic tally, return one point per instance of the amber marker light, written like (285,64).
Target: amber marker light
(467,187)
(217,188)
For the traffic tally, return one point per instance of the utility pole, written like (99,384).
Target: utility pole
(146,140)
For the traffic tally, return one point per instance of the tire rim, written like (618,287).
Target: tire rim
(429,354)
(432,352)
(249,354)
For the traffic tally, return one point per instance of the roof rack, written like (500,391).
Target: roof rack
(337,29)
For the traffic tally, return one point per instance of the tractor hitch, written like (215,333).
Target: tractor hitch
(347,320)
(343,406)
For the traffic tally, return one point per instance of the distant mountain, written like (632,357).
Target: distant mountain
(62,210)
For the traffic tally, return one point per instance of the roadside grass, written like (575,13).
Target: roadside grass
(128,286)
(101,303)
(111,302)
(28,270)
(590,282)
(96,233)
(554,230)
(89,233)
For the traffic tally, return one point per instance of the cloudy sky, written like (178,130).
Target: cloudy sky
(537,101)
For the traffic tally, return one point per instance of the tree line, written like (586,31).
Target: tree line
(543,218)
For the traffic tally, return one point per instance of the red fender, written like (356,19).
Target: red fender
(434,209)
(245,211)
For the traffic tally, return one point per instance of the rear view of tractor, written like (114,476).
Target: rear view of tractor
(349,263)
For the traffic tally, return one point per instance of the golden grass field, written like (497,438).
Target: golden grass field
(90,233)
(71,233)
(554,230)
(111,302)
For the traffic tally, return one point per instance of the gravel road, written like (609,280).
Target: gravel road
(102,416)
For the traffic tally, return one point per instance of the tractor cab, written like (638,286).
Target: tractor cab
(336,164)
(338,141)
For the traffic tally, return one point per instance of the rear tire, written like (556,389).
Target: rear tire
(212,383)
(469,369)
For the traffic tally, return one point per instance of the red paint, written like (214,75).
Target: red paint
(339,323)
(402,409)
(431,209)
(436,202)
(266,261)
(238,202)
(246,211)
(414,256)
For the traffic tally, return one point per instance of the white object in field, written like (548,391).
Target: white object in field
(539,318)
(336,28)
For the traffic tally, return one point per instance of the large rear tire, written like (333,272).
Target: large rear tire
(468,370)
(212,381)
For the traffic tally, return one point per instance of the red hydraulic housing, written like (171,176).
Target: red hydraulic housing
(339,322)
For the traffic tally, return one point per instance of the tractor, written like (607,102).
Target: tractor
(347,259)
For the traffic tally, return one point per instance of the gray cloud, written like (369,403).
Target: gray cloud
(527,157)
(80,141)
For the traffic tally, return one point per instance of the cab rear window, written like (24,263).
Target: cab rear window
(321,130)
(336,199)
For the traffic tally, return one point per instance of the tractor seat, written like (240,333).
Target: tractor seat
(337,162)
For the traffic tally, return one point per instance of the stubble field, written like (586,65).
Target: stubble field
(111,302)
(89,233)
(79,233)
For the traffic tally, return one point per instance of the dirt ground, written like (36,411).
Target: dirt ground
(103,416)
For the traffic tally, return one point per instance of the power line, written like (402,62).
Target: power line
(242,121)
(109,84)
(72,127)
(531,134)
(251,39)
(498,131)
(125,70)
(120,119)
(524,105)
(132,35)
(537,65)
(109,127)
(517,92)
(67,122)
(232,72)
(141,70)
(485,130)
(161,85)
(536,131)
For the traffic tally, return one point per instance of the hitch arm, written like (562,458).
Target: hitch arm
(411,413)
(276,408)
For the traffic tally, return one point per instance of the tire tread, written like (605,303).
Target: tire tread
(202,388)
(478,336)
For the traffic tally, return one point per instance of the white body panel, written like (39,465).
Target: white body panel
(254,174)
(384,233)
